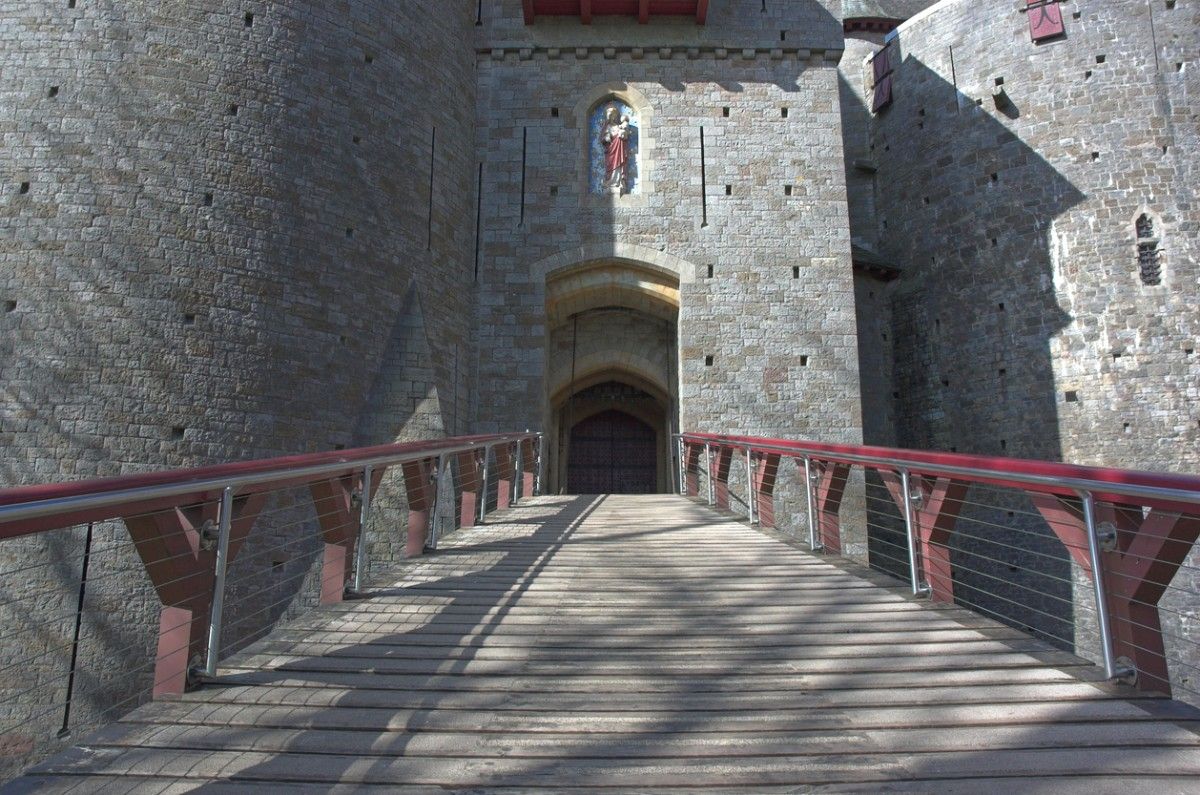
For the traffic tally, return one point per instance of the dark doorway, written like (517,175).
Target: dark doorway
(612,453)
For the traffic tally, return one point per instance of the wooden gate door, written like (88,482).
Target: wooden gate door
(612,453)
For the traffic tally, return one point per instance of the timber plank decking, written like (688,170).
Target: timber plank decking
(640,644)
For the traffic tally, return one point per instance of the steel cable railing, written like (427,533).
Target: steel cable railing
(1100,562)
(116,591)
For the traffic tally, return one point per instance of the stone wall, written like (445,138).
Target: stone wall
(1010,175)
(776,316)
(229,230)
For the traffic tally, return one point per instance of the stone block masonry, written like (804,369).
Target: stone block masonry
(1012,177)
(767,342)
(227,230)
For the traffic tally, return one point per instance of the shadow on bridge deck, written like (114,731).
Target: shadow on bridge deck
(640,643)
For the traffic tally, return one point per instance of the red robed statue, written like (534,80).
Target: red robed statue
(615,137)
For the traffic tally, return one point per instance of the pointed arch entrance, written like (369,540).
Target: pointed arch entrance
(612,376)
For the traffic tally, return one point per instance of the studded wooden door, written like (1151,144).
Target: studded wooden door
(612,453)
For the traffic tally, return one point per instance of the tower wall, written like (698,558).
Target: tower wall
(752,317)
(226,231)
(1010,177)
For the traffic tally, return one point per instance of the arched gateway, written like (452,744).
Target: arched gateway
(612,379)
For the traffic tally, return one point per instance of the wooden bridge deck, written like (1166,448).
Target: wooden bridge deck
(640,644)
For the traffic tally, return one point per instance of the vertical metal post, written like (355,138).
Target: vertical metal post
(541,462)
(364,516)
(1089,520)
(812,505)
(910,530)
(483,484)
(681,470)
(83,576)
(435,510)
(750,485)
(518,472)
(708,462)
(225,519)
(514,479)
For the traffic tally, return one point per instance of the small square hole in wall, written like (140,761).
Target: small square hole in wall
(804,361)
(1003,444)
(339,446)
(1087,75)
(795,271)
(1000,306)
(783,112)
(1101,58)
(1127,428)
(233,110)
(1002,372)
(1170,5)
(368,58)
(189,319)
(208,200)
(357,139)
(349,231)
(1179,66)
(23,189)
(342,339)
(708,269)
(1095,156)
(787,190)
(553,190)
(1186,351)
(1071,396)
(925,199)
(554,113)
(895,395)
(1116,355)
(70,3)
(1077,15)
(10,306)
(248,20)
(177,432)
(783,35)
(708,361)
(52,92)
(995,242)
(995,176)
(725,112)
(728,190)
(945,382)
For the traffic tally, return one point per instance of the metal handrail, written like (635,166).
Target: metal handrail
(29,502)
(1056,478)
(1171,494)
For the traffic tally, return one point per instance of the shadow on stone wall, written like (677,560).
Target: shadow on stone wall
(964,208)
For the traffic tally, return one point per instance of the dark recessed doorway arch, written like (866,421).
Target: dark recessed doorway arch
(612,452)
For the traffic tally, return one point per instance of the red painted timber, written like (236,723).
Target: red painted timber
(766,470)
(718,471)
(935,515)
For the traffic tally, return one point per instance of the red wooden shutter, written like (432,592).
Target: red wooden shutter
(881,66)
(882,63)
(883,94)
(1045,19)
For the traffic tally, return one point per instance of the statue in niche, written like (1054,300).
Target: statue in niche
(614,149)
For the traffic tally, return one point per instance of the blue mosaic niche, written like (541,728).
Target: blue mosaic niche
(597,172)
